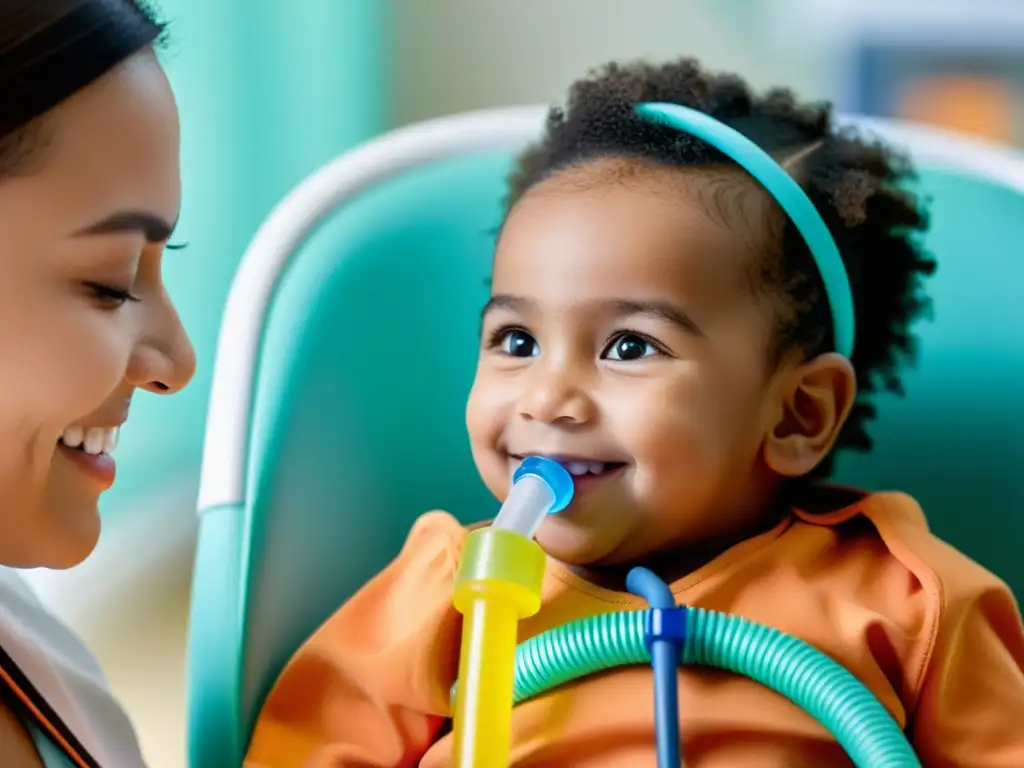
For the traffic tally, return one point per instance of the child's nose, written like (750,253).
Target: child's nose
(554,395)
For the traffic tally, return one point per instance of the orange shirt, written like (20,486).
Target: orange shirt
(938,639)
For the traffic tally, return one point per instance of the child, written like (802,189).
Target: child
(659,325)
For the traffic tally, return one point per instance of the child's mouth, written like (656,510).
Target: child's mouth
(584,471)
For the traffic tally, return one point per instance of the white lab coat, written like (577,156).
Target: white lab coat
(64,671)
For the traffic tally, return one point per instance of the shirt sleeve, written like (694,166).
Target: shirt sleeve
(970,711)
(370,687)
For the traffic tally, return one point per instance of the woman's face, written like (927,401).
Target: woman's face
(85,320)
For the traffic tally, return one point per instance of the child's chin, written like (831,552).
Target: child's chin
(575,542)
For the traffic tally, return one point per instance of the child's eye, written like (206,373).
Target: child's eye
(516,342)
(629,346)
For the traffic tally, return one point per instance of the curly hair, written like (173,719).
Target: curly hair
(858,186)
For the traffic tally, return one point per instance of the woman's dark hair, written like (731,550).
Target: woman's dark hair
(858,186)
(50,49)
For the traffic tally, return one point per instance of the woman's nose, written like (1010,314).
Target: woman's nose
(556,395)
(164,360)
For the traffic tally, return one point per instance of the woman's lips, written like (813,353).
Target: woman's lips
(99,467)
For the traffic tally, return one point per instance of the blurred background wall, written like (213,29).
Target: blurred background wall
(269,90)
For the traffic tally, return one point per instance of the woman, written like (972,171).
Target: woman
(89,195)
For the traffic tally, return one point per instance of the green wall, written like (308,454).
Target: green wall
(269,90)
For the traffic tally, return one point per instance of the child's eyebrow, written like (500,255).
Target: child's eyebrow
(661,310)
(505,301)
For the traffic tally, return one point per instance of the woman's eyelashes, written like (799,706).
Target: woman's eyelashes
(623,346)
(110,295)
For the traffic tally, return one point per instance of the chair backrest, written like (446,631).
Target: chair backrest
(337,411)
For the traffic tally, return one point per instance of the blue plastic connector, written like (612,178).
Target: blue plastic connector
(668,624)
(553,474)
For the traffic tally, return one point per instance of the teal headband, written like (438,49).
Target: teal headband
(787,193)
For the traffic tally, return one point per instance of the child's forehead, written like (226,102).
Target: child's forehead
(617,230)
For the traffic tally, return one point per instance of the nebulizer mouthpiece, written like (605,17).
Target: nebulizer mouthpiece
(540,487)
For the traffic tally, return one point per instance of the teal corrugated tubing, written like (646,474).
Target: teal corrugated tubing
(791,667)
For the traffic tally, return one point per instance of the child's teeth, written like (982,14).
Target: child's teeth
(596,467)
(577,467)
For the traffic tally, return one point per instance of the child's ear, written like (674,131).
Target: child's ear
(814,400)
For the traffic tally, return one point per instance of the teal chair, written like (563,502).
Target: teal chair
(347,351)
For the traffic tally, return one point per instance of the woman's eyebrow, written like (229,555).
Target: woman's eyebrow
(154,228)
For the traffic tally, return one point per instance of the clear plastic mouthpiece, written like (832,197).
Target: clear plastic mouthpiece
(540,487)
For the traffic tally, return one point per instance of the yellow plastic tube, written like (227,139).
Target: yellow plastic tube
(499,583)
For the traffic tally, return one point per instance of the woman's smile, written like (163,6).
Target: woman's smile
(89,320)
(90,449)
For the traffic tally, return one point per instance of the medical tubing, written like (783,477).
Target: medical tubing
(666,630)
(791,667)
(498,583)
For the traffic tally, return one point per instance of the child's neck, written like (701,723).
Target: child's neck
(675,563)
